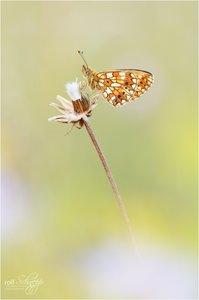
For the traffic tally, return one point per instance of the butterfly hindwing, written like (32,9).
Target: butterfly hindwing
(121,86)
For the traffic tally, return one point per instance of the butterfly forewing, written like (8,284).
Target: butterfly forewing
(121,86)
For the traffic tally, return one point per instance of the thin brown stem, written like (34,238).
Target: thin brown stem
(113,185)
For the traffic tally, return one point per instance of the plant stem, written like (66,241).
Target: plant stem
(113,185)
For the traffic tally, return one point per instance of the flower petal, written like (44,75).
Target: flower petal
(65,118)
(67,104)
(55,118)
(60,108)
(73,90)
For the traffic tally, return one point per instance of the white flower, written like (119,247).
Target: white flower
(73,90)
(76,111)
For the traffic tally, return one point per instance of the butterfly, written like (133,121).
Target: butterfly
(120,86)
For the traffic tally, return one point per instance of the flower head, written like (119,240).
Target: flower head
(76,111)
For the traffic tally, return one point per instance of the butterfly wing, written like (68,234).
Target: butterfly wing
(121,86)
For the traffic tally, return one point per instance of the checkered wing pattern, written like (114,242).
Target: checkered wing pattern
(121,86)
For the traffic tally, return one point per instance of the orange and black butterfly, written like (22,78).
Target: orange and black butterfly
(118,86)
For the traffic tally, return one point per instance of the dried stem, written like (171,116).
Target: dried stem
(113,185)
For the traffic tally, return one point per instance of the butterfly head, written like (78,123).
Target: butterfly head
(87,71)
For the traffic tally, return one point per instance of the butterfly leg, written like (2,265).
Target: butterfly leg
(82,85)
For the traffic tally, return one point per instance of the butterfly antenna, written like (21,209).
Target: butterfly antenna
(82,56)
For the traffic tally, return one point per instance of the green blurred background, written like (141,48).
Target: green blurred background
(60,218)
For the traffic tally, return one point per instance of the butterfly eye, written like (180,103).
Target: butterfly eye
(87,71)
